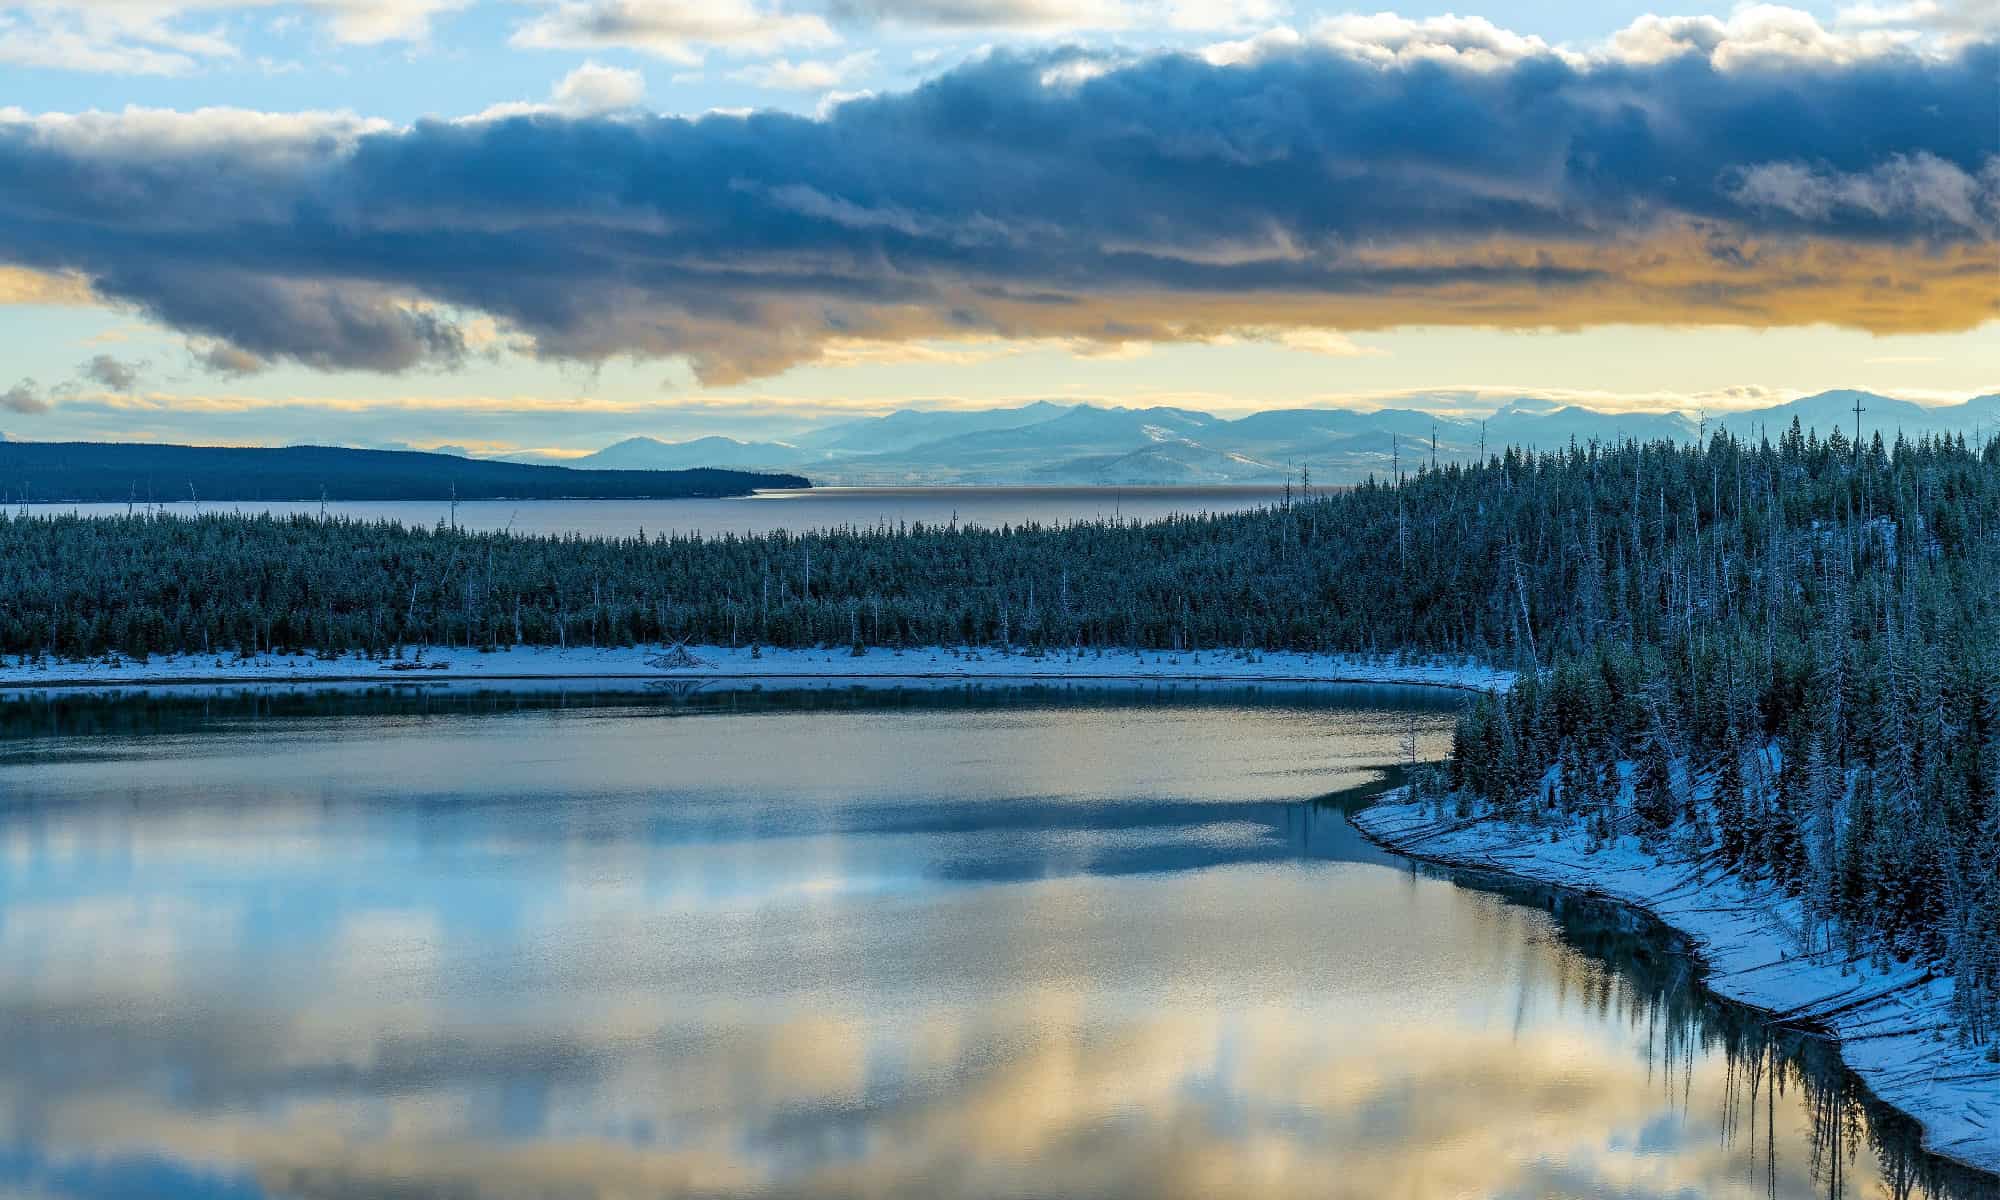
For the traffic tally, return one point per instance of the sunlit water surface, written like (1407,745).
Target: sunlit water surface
(840,943)
(793,511)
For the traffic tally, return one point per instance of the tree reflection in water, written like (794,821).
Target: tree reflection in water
(1765,1060)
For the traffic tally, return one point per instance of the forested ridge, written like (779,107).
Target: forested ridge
(146,473)
(1793,641)
(1792,670)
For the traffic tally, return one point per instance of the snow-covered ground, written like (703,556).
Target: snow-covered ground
(1894,1026)
(712,662)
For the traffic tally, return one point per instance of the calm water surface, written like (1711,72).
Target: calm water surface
(817,508)
(956,942)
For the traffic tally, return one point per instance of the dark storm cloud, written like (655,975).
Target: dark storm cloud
(1025,195)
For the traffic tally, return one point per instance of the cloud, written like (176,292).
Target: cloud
(590,90)
(1464,41)
(1919,188)
(370,22)
(48,44)
(684,31)
(1207,15)
(984,14)
(1953,18)
(326,324)
(19,286)
(861,352)
(221,358)
(176,37)
(678,32)
(1381,174)
(1056,16)
(23,397)
(808,76)
(1325,341)
(111,372)
(1753,33)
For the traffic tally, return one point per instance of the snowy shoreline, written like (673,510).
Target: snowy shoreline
(638,664)
(1893,1027)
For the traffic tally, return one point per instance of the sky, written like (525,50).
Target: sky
(546,225)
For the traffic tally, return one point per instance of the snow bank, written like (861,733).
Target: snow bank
(1894,1026)
(717,662)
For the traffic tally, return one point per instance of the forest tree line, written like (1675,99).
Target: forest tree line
(138,473)
(1792,642)
(1790,667)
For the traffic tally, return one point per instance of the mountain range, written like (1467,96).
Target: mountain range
(1069,444)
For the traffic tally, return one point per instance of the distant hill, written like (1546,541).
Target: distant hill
(1828,411)
(1053,443)
(652,454)
(1544,428)
(908,427)
(119,471)
(1164,462)
(1049,443)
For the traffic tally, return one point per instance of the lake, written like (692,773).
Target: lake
(954,941)
(795,511)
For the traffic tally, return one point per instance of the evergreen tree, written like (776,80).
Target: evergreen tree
(1652,787)
(1731,810)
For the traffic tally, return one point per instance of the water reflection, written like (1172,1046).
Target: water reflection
(817,508)
(876,943)
(1856,1145)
